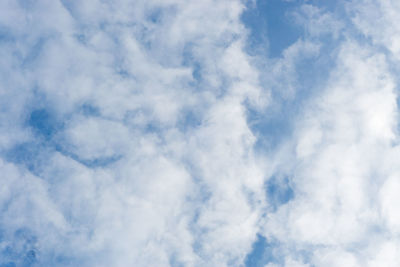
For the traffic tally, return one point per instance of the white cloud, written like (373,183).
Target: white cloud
(317,22)
(151,157)
(378,20)
(343,190)
(127,178)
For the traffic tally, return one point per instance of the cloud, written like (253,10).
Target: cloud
(104,164)
(147,133)
(339,215)
(378,21)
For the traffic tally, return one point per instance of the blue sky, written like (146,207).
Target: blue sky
(199,133)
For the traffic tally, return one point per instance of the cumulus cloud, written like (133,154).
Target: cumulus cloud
(124,133)
(146,133)
(343,142)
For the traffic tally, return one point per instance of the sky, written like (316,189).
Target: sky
(199,133)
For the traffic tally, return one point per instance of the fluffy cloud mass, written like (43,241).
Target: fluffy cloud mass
(199,133)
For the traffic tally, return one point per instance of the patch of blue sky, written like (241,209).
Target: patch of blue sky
(279,191)
(275,124)
(34,153)
(31,155)
(155,15)
(189,60)
(270,34)
(90,110)
(271,29)
(263,252)
(268,251)
(270,127)
(310,74)
(43,123)
(189,120)
(6,36)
